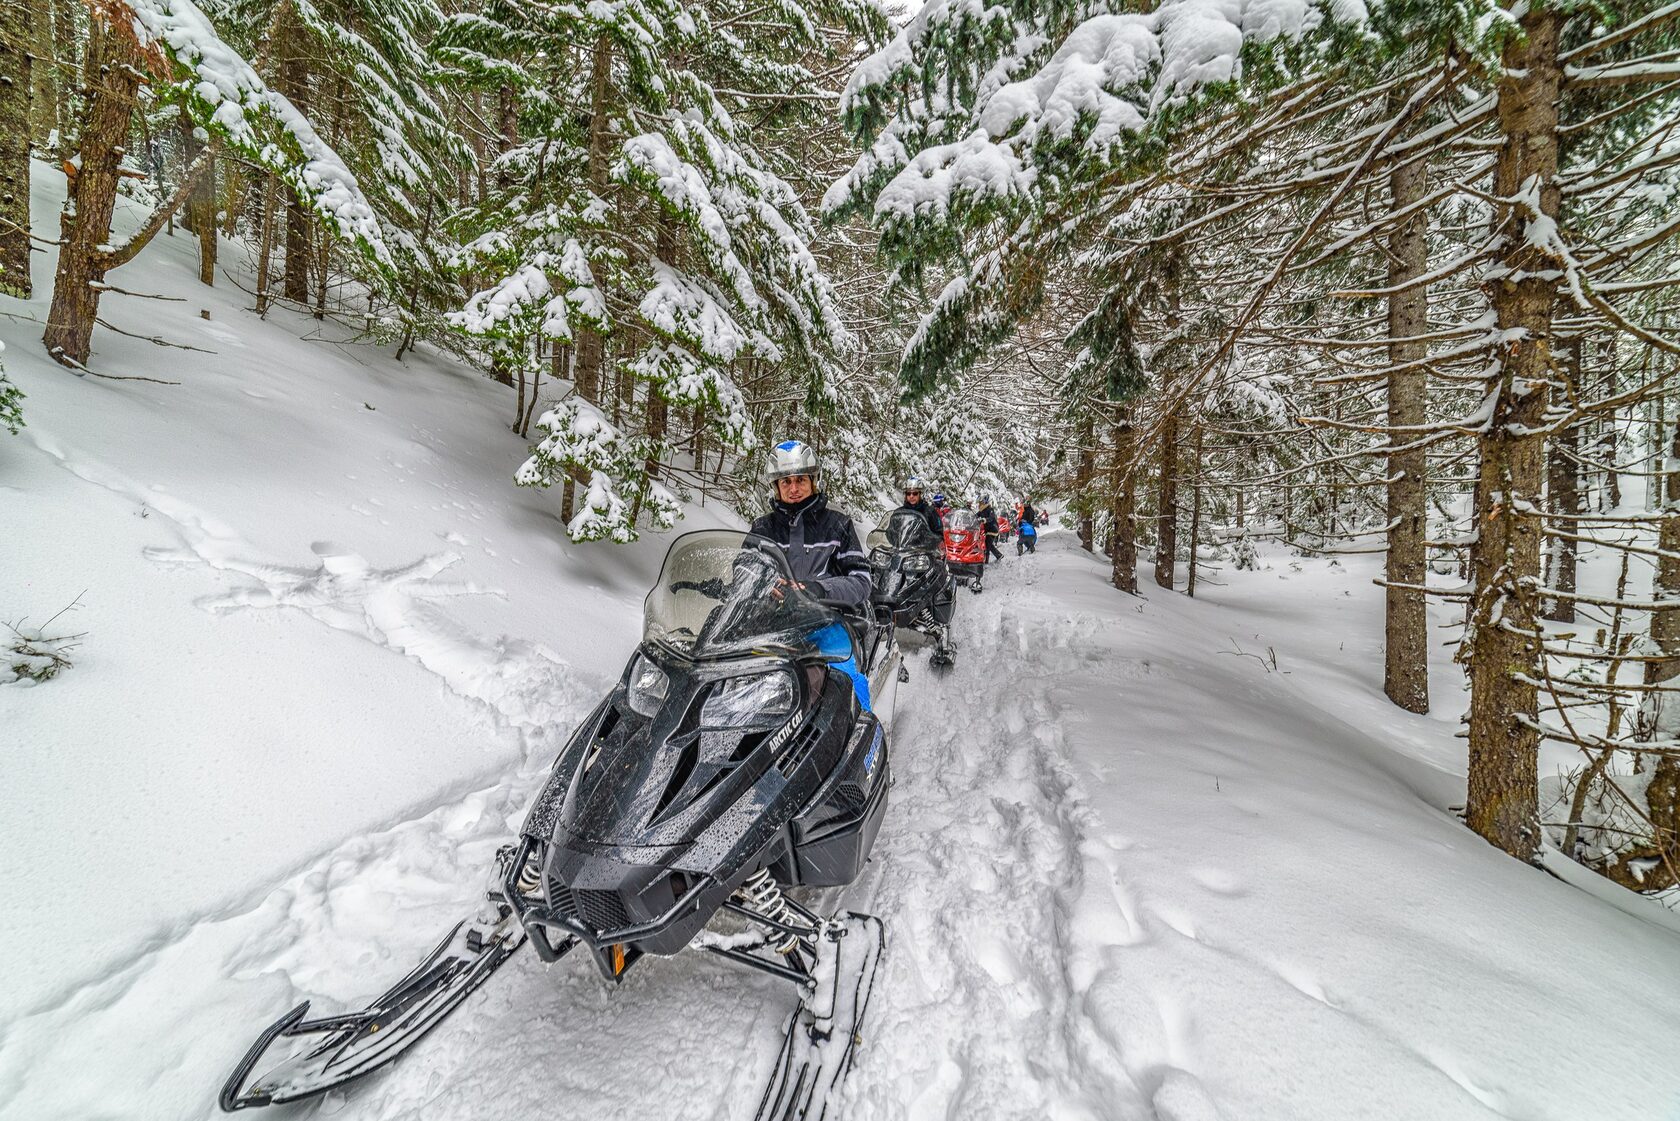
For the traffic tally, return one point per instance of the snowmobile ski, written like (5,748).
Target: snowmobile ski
(357,1043)
(824,1031)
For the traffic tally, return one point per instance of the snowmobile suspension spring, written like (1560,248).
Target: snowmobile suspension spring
(763,894)
(530,876)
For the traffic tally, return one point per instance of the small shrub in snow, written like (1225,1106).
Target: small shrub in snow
(32,655)
(1244,554)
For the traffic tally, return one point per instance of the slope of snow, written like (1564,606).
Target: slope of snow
(1128,871)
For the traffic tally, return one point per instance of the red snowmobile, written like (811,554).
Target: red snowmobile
(965,548)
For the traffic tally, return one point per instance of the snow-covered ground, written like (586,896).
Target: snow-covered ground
(1129,871)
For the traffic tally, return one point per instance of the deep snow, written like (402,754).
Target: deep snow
(1128,872)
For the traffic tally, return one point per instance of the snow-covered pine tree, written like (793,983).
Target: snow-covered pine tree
(366,72)
(172,49)
(640,226)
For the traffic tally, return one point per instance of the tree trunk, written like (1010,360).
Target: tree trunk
(1406,662)
(1195,518)
(591,349)
(414,286)
(700,422)
(524,428)
(265,243)
(1563,495)
(519,403)
(1123,505)
(16,97)
(1611,446)
(85,223)
(323,269)
(43,75)
(201,207)
(293,82)
(658,425)
(1504,645)
(1660,711)
(1083,476)
(64,52)
(236,196)
(1166,503)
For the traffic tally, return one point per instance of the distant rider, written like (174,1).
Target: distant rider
(1026,539)
(988,518)
(822,547)
(914,503)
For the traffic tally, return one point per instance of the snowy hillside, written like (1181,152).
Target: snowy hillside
(1145,858)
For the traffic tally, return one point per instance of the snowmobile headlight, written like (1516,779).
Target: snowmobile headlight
(648,687)
(879,557)
(759,698)
(918,562)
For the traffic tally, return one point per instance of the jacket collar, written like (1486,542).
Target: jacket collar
(812,505)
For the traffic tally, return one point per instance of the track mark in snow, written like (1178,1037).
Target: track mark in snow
(1177,919)
(1302,981)
(1181,1097)
(1003,907)
(1219,881)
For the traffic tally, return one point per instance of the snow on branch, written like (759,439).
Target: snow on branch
(1110,77)
(579,443)
(230,100)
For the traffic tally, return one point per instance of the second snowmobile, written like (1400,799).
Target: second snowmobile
(965,548)
(742,753)
(912,585)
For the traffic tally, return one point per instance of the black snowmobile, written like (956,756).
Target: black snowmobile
(912,583)
(733,760)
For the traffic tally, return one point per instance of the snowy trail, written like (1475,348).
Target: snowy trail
(1094,873)
(985,860)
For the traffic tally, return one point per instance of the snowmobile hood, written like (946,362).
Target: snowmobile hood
(665,783)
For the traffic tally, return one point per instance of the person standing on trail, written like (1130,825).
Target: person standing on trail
(914,503)
(1026,539)
(988,518)
(821,545)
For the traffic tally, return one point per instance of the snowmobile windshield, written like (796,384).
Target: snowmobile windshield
(724,593)
(965,521)
(908,532)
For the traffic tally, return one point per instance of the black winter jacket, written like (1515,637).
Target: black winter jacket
(926,510)
(822,548)
(988,518)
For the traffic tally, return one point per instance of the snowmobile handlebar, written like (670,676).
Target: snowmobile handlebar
(713,588)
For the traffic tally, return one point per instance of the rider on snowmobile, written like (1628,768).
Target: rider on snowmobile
(914,503)
(821,544)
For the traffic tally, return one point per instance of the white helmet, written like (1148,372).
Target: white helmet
(791,457)
(914,482)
